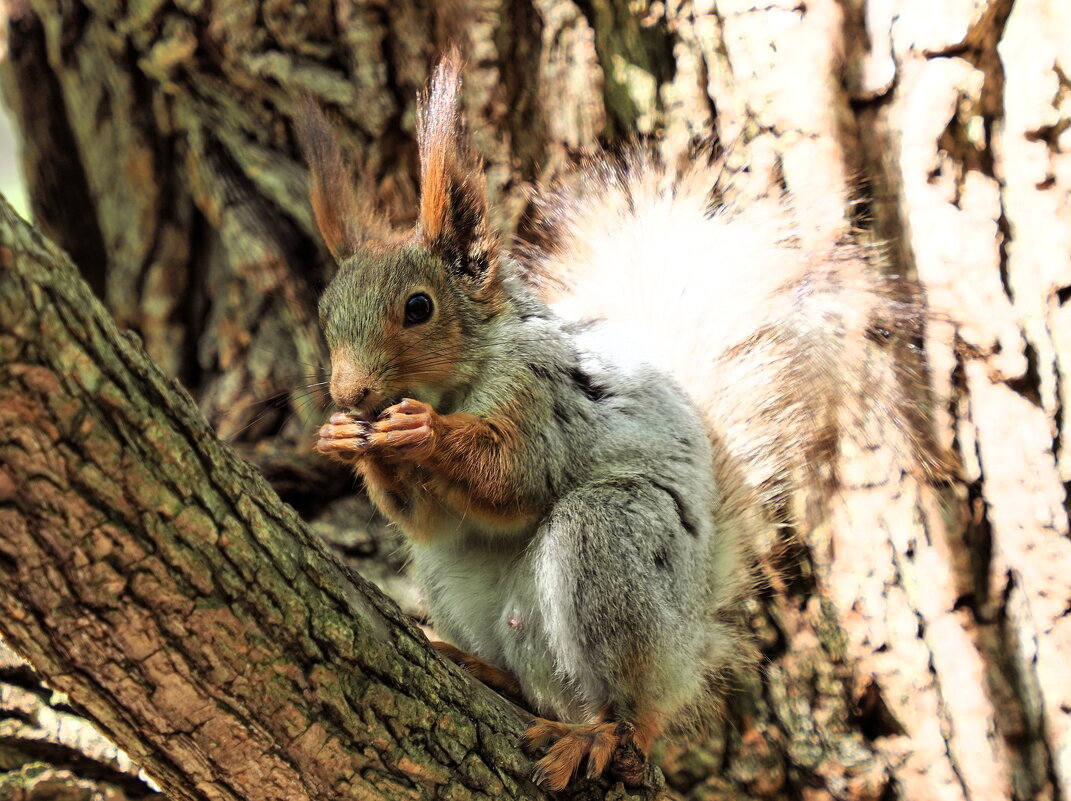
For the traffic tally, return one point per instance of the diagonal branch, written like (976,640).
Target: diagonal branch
(153,576)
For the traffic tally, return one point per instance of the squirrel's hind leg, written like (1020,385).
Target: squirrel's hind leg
(499,680)
(621,581)
(622,745)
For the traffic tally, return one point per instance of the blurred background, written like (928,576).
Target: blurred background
(11,183)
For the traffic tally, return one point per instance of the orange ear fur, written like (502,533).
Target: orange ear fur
(344,211)
(453,205)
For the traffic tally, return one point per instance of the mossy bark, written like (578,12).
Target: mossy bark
(155,578)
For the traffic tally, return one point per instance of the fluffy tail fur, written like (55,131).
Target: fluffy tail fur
(791,348)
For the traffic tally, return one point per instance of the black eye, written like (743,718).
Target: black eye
(417,309)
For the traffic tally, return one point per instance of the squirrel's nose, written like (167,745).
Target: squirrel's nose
(348,397)
(349,381)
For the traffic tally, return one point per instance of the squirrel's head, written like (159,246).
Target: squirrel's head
(404,315)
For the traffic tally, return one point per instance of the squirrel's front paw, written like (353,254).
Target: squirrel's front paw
(344,437)
(408,428)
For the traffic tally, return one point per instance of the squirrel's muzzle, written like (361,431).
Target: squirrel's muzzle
(349,398)
(350,385)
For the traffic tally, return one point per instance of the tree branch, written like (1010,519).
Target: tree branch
(154,576)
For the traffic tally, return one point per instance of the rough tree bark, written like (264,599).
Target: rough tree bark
(920,650)
(154,576)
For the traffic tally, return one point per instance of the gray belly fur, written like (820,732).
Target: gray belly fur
(485,602)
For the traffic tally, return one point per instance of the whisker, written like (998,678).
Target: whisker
(276,354)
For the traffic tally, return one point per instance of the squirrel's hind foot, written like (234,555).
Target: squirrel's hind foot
(616,745)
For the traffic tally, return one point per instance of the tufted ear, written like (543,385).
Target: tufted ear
(345,211)
(453,204)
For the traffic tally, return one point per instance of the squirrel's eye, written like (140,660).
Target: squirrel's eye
(417,309)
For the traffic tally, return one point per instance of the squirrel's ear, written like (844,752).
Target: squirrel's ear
(453,204)
(344,213)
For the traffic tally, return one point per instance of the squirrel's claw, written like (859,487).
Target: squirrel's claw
(402,427)
(341,418)
(408,406)
(407,427)
(343,436)
(351,430)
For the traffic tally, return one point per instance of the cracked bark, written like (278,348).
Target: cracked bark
(919,650)
(153,576)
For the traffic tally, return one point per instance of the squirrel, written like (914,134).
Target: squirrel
(582,509)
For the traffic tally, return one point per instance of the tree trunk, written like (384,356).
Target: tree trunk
(920,648)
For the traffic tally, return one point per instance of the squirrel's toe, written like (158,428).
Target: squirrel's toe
(572,744)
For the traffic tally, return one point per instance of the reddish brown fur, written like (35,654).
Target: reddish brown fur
(479,451)
(601,749)
(453,205)
(437,134)
(407,350)
(570,744)
(648,726)
(494,677)
(468,462)
(420,467)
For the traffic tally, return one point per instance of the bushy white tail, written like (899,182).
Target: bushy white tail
(789,346)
